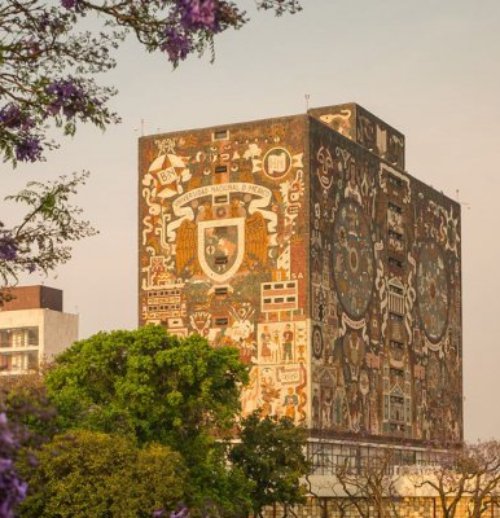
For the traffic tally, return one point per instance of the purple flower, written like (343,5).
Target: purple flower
(8,248)
(68,97)
(28,149)
(177,44)
(197,14)
(11,116)
(12,488)
(71,4)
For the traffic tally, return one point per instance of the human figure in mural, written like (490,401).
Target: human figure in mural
(326,407)
(290,402)
(275,345)
(266,351)
(287,343)
(316,409)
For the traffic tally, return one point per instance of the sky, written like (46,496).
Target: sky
(429,68)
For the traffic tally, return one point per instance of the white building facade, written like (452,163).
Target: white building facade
(33,329)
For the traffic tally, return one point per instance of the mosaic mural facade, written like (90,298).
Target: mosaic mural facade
(385,298)
(303,242)
(223,251)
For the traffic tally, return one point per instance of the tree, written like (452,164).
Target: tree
(271,455)
(371,489)
(49,65)
(41,241)
(83,473)
(12,486)
(151,386)
(29,411)
(48,79)
(471,473)
(26,422)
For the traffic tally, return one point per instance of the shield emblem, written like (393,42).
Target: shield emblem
(221,247)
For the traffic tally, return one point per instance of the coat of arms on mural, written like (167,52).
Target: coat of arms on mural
(221,247)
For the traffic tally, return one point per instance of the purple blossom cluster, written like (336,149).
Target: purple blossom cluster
(8,245)
(71,4)
(187,18)
(68,97)
(177,44)
(12,117)
(18,123)
(198,14)
(29,149)
(12,488)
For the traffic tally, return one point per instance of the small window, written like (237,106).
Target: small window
(290,285)
(396,235)
(278,286)
(267,301)
(221,169)
(395,262)
(221,291)
(221,259)
(290,299)
(222,199)
(221,135)
(395,289)
(267,286)
(221,321)
(278,300)
(395,208)
(394,180)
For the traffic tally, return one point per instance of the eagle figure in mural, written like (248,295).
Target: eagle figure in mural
(187,246)
(256,238)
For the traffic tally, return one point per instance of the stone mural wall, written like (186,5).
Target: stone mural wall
(385,298)
(223,249)
(303,242)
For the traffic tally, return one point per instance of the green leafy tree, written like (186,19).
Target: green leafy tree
(84,473)
(42,240)
(271,454)
(151,386)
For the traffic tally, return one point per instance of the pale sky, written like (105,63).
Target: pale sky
(430,68)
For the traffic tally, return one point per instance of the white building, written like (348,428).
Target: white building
(33,328)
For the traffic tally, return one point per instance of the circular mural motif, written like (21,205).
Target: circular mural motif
(353,268)
(317,342)
(432,291)
(277,162)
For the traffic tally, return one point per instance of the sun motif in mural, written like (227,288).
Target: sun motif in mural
(353,259)
(432,290)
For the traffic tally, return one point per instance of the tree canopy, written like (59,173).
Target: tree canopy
(153,387)
(83,473)
(271,455)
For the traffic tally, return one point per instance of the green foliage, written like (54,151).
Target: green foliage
(42,240)
(84,473)
(26,404)
(150,386)
(271,455)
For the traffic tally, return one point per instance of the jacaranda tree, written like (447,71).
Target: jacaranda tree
(49,78)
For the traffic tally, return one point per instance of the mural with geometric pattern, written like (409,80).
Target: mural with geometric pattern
(386,298)
(303,242)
